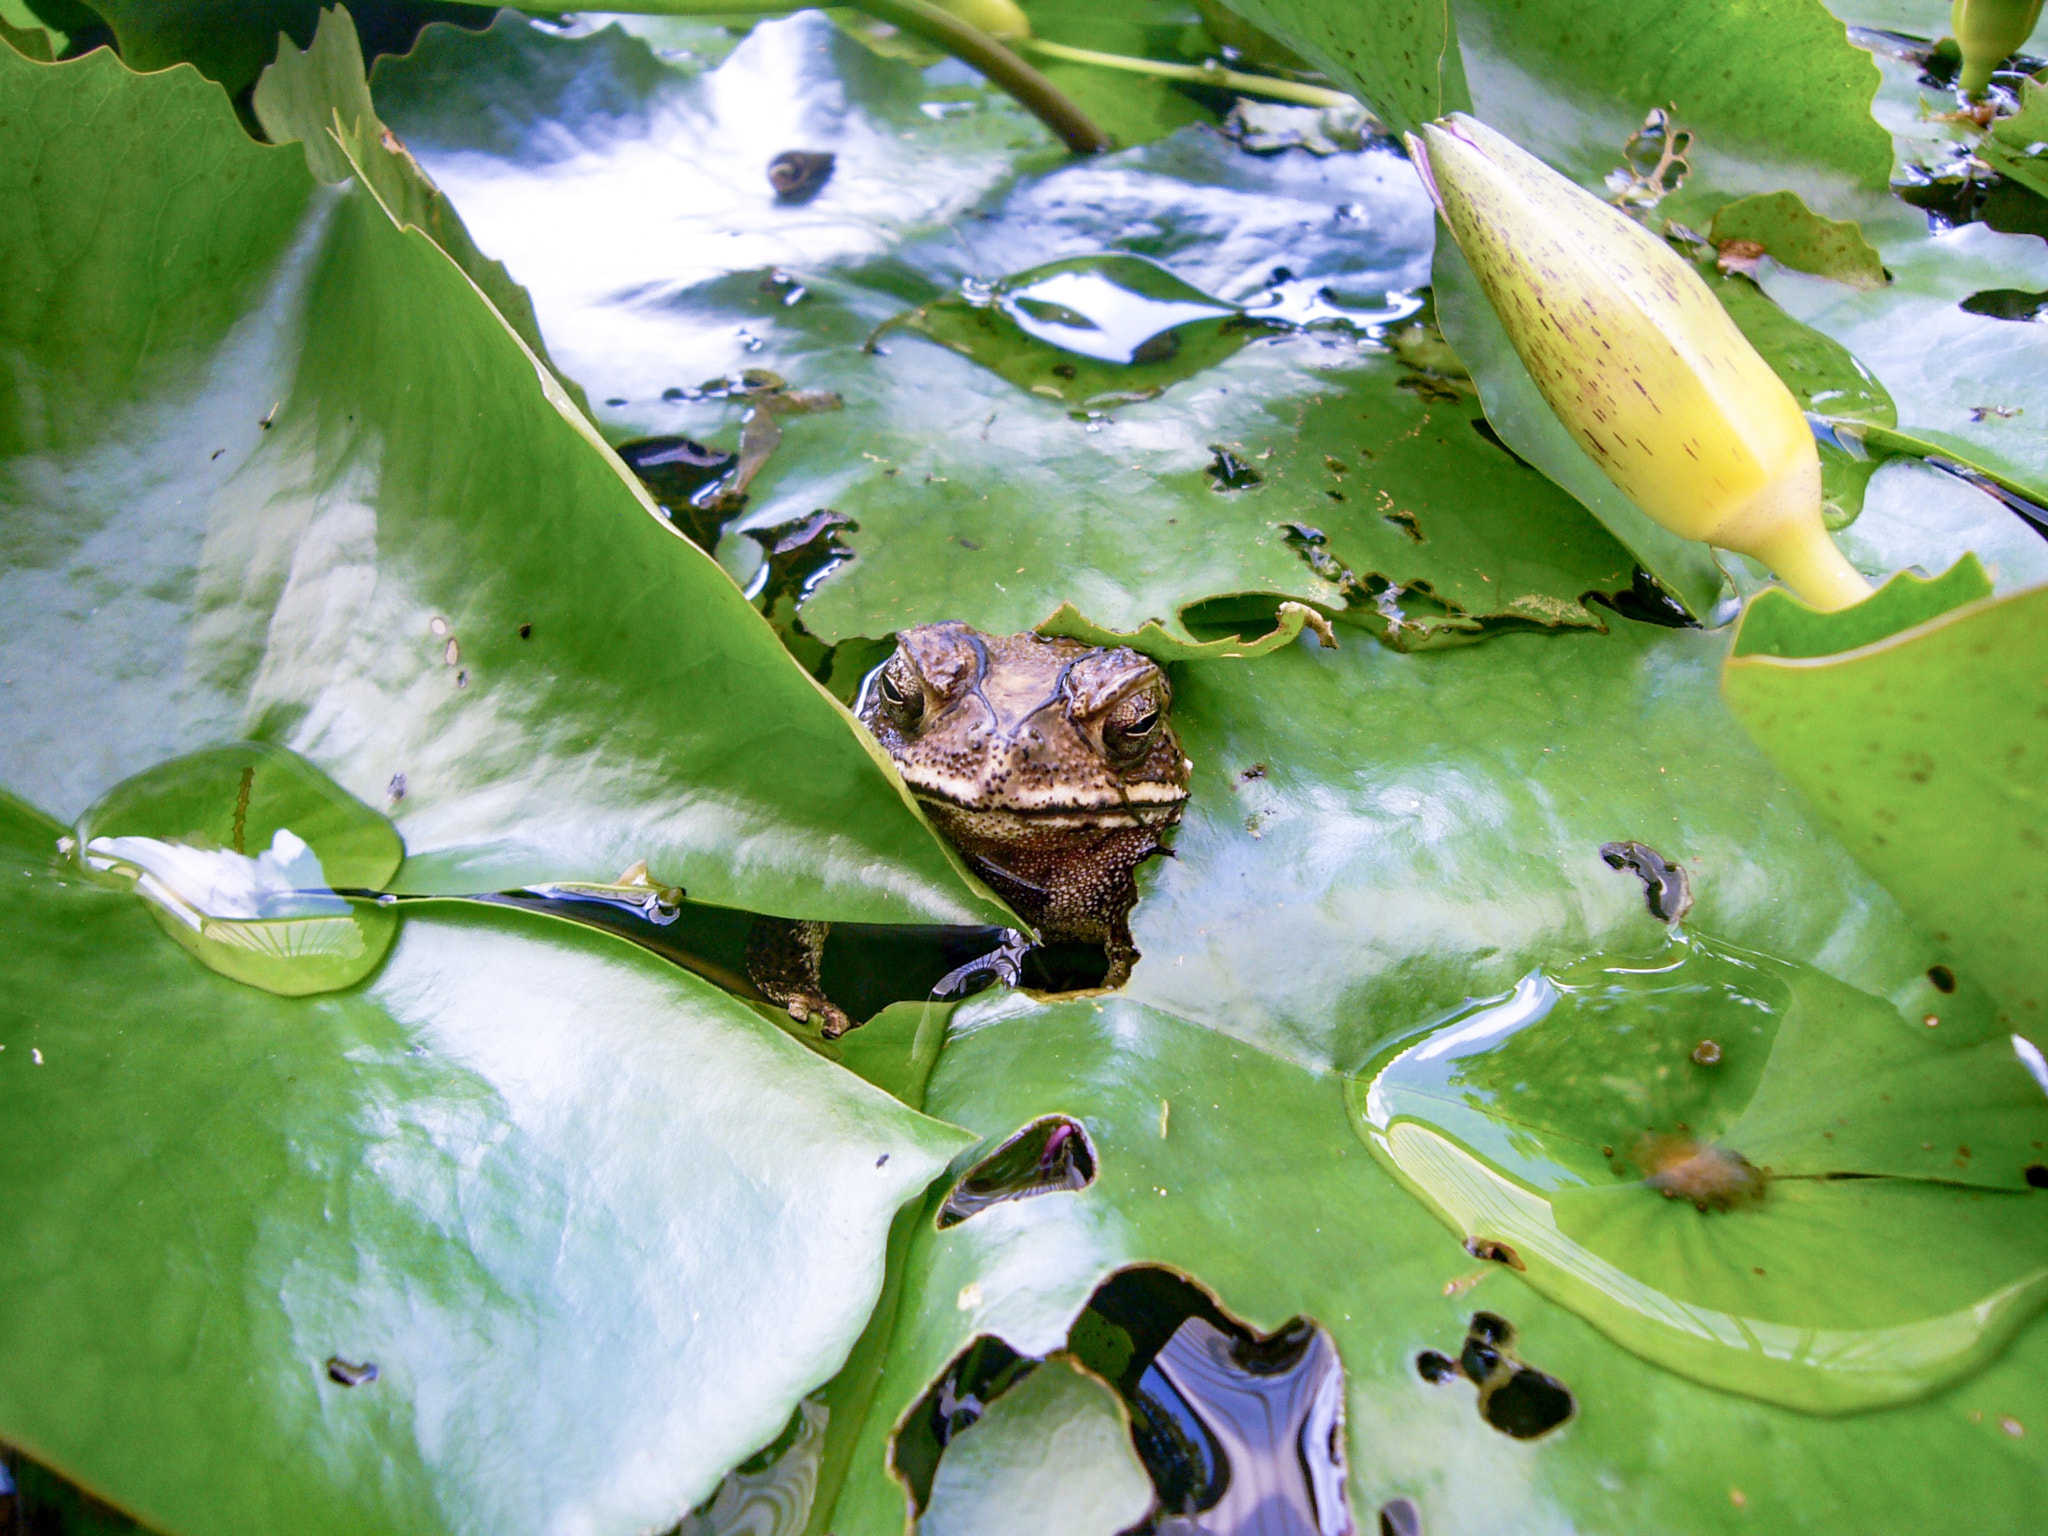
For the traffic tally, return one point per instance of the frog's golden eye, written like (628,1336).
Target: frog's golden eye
(905,703)
(1130,730)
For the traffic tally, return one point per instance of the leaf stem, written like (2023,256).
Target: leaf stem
(1201,74)
(937,26)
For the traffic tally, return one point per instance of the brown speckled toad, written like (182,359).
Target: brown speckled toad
(1048,763)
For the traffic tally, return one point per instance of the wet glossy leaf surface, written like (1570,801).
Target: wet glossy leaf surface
(1920,750)
(260,526)
(239,853)
(1407,831)
(222,1204)
(1051,1454)
(974,498)
(1260,1191)
(1685,1145)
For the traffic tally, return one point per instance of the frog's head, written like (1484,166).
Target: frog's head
(1027,724)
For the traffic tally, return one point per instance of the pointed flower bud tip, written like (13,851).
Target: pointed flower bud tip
(1638,359)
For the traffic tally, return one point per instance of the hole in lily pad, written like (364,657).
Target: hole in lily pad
(1514,1397)
(1400,1517)
(2007,304)
(1700,1216)
(1236,1430)
(242,854)
(1239,1430)
(1090,330)
(1046,1157)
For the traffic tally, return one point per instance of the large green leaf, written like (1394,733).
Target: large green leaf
(596,1225)
(272,468)
(1773,91)
(1924,750)
(1372,837)
(1967,385)
(231,41)
(1258,1190)
(977,497)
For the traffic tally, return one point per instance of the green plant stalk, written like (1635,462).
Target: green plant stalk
(920,18)
(1989,32)
(1202,74)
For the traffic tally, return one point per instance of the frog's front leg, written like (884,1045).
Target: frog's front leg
(783,956)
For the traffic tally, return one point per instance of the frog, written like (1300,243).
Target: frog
(1049,764)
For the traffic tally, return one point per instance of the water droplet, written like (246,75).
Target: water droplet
(1714,1244)
(1091,330)
(239,853)
(1046,1156)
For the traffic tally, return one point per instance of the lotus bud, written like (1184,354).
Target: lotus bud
(1000,19)
(1638,359)
(1989,32)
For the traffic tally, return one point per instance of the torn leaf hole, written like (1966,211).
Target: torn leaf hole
(1400,1517)
(1666,889)
(1048,1156)
(1238,1431)
(1515,1398)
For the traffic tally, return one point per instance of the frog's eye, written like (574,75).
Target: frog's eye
(905,703)
(1129,733)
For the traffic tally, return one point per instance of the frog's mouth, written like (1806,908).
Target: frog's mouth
(1148,805)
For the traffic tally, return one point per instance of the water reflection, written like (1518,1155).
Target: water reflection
(1047,1156)
(242,853)
(1778,1215)
(1241,1434)
(1090,330)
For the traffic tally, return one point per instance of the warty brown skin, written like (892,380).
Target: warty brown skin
(1049,763)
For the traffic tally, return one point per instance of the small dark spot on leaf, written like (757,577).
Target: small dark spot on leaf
(1494,1252)
(798,174)
(1943,978)
(1065,370)
(526,631)
(1666,889)
(1405,521)
(2037,1175)
(1400,1517)
(1434,1367)
(1334,495)
(881,1160)
(1529,1403)
(345,1374)
(615,400)
(1229,472)
(215,454)
(1256,771)
(2006,304)
(1707,1053)
(396,788)
(1492,1328)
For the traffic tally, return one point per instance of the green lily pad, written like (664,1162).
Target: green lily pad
(1260,1192)
(1090,330)
(1371,837)
(1922,750)
(1778,624)
(415,1256)
(233,44)
(1806,1120)
(239,853)
(321,98)
(1794,234)
(1967,386)
(333,504)
(1051,1454)
(955,476)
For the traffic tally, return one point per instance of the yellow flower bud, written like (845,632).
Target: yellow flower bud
(1638,359)
(1000,19)
(1989,32)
